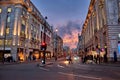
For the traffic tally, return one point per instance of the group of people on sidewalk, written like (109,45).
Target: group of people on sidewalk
(94,56)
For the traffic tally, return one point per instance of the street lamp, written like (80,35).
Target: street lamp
(4,38)
(105,56)
(56,30)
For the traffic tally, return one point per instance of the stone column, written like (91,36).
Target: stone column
(15,33)
(14,53)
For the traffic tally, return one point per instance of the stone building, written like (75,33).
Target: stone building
(79,45)
(22,30)
(58,45)
(101,28)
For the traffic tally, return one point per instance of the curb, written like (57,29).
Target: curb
(14,63)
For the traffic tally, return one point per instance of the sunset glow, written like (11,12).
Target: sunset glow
(71,40)
(65,17)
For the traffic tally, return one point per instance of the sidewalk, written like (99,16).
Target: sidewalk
(48,62)
(25,62)
(114,64)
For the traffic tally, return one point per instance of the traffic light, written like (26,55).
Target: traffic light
(43,46)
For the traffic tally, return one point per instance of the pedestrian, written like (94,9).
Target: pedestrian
(70,60)
(115,56)
(55,58)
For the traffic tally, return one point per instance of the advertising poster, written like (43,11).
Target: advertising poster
(119,48)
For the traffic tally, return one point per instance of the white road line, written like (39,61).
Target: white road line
(44,69)
(60,66)
(95,78)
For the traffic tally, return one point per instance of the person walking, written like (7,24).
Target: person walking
(115,56)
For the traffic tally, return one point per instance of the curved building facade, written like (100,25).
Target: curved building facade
(22,30)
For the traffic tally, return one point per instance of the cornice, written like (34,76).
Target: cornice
(90,9)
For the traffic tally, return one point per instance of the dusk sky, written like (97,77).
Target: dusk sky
(65,15)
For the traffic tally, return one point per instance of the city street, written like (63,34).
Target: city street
(59,71)
(59,39)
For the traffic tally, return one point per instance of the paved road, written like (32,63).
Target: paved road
(58,71)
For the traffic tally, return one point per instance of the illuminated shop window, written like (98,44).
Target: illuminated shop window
(0,10)
(1,42)
(9,10)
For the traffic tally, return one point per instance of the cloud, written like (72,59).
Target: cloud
(69,33)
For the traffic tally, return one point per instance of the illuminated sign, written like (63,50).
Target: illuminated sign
(119,48)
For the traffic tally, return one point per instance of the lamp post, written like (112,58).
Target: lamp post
(105,55)
(99,53)
(56,30)
(44,45)
(4,41)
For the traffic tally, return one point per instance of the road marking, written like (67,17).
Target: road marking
(60,66)
(44,69)
(95,78)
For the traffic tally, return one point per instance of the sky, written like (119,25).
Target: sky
(67,16)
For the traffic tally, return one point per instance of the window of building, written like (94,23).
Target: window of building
(119,5)
(0,10)
(1,42)
(8,42)
(35,29)
(7,30)
(22,33)
(31,27)
(23,22)
(8,19)
(23,13)
(9,10)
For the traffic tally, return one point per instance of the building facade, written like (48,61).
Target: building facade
(22,30)
(79,45)
(66,51)
(58,45)
(101,28)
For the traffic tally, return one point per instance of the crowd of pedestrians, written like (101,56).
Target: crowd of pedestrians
(94,56)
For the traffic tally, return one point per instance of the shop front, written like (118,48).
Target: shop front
(47,54)
(7,55)
(20,54)
(35,55)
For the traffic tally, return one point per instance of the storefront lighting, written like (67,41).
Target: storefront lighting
(98,46)
(105,46)
(2,30)
(13,44)
(119,35)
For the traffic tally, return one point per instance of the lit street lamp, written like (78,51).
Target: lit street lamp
(56,30)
